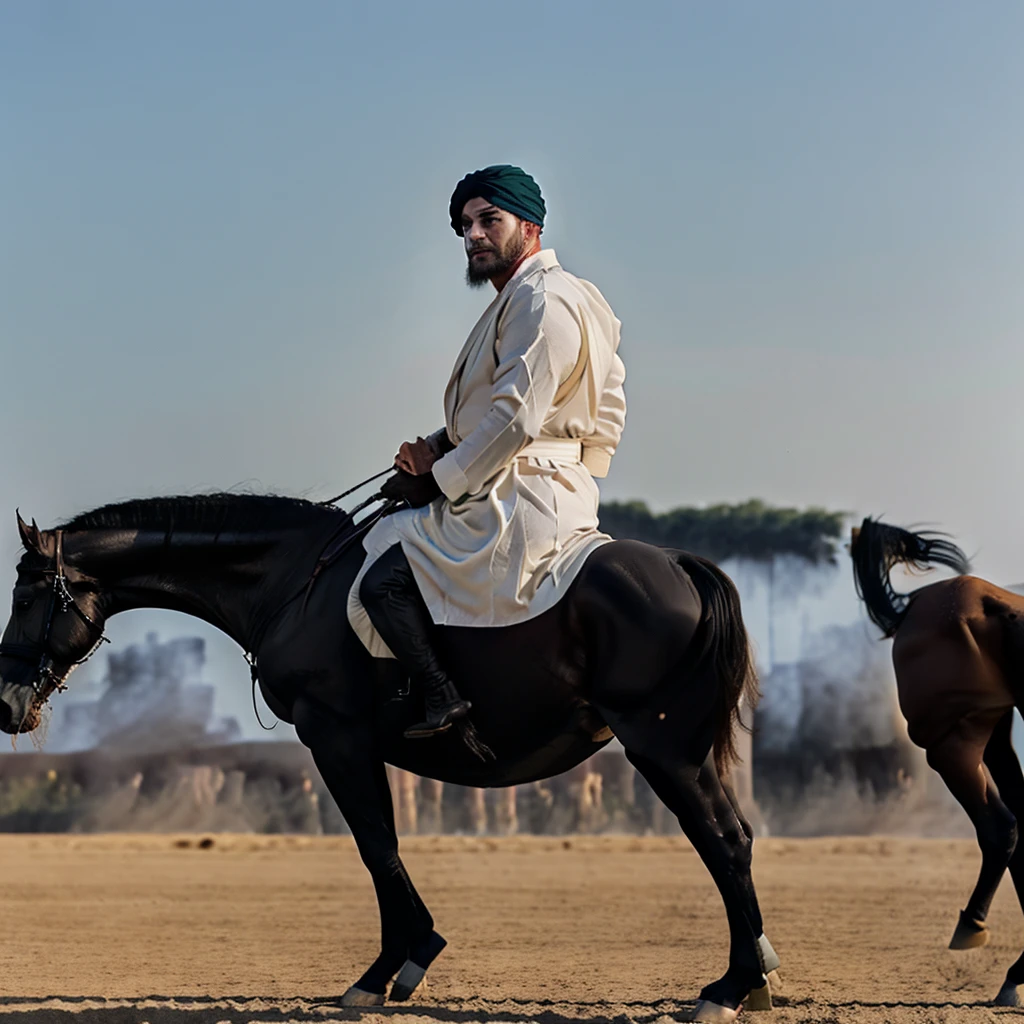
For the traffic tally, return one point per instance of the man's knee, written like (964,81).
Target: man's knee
(388,574)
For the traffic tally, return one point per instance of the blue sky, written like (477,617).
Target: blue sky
(225,258)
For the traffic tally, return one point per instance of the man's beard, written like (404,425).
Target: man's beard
(479,272)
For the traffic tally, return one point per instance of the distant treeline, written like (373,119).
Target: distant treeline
(752,530)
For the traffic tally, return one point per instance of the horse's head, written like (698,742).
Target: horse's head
(56,623)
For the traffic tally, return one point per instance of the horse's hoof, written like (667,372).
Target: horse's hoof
(410,977)
(759,998)
(1008,996)
(969,934)
(356,996)
(711,1013)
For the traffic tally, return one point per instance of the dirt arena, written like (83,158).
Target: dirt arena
(608,930)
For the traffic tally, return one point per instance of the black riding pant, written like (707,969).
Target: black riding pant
(398,612)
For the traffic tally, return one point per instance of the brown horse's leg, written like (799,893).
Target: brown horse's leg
(957,757)
(1006,773)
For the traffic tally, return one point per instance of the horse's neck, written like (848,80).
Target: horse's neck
(228,581)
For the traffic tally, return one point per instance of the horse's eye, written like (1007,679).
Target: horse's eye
(23,605)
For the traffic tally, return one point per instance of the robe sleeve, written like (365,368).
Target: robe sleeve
(538,343)
(599,447)
(440,441)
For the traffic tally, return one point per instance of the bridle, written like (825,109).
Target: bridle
(38,653)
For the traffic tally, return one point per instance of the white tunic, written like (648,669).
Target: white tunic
(535,408)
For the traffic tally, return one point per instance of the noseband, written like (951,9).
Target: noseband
(38,653)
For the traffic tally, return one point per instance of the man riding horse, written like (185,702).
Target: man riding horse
(503,505)
(501,534)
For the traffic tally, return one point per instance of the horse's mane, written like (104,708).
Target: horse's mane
(200,513)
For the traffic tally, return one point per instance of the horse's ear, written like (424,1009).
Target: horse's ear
(47,541)
(29,534)
(42,542)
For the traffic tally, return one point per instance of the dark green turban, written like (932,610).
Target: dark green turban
(506,186)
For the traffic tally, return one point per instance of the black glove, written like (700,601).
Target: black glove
(415,491)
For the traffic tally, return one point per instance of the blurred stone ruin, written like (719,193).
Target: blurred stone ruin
(830,751)
(828,754)
(154,698)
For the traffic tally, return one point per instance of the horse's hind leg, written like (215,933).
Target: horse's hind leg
(958,757)
(694,793)
(769,958)
(1004,766)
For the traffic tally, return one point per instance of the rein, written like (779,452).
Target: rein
(38,653)
(341,540)
(345,494)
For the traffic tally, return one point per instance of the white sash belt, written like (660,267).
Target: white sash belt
(558,449)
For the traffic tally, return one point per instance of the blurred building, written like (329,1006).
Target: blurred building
(829,722)
(153,698)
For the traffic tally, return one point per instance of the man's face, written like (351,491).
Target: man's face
(495,240)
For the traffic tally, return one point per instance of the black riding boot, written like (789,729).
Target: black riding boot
(397,610)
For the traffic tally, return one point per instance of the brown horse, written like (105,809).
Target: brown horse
(958,651)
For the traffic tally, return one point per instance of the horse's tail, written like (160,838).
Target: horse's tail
(876,548)
(727,648)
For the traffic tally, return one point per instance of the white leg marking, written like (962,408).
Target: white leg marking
(408,980)
(359,997)
(711,1013)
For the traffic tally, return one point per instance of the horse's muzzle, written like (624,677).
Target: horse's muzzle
(6,716)
(18,711)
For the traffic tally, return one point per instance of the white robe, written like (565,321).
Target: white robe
(535,408)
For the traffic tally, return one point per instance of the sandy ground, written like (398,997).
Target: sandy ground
(607,930)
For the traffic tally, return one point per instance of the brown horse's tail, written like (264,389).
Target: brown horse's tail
(876,548)
(727,648)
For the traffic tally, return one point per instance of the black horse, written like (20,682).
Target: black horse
(648,642)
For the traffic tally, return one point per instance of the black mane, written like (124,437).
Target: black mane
(200,513)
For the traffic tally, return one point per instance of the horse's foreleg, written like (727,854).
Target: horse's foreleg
(355,775)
